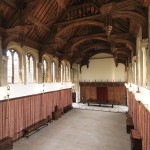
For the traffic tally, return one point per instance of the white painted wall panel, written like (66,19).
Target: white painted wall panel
(103,69)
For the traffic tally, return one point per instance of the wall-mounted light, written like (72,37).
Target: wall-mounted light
(43,87)
(7,97)
(130,88)
(138,95)
(62,86)
(126,85)
(73,87)
(8,92)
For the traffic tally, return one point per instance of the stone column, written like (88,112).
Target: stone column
(138,58)
(69,73)
(75,80)
(3,68)
(144,51)
(56,73)
(134,70)
(148,52)
(49,72)
(59,74)
(130,72)
(40,73)
(3,71)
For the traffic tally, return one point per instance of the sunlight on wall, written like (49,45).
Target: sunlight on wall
(20,90)
(103,69)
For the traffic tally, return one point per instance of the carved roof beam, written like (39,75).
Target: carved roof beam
(122,53)
(125,41)
(79,24)
(2,31)
(96,45)
(38,23)
(77,7)
(74,39)
(79,20)
(26,11)
(60,3)
(9,3)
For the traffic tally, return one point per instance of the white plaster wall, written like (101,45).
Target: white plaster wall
(20,90)
(103,69)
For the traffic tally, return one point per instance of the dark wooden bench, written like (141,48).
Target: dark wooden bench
(6,143)
(99,103)
(136,140)
(67,108)
(56,114)
(35,127)
(129,124)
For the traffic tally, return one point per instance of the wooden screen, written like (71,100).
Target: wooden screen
(102,95)
(116,92)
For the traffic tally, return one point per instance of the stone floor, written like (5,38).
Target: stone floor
(80,130)
(116,108)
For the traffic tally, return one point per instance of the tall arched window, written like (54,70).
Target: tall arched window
(67,73)
(12,66)
(61,72)
(29,68)
(53,71)
(44,70)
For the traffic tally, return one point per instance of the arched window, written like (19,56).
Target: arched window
(29,68)
(12,66)
(67,73)
(53,71)
(61,72)
(44,70)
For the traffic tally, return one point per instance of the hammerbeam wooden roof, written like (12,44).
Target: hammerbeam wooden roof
(75,29)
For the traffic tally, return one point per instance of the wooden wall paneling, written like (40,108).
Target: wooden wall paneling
(82,92)
(22,112)
(93,92)
(138,116)
(15,117)
(5,120)
(116,92)
(62,97)
(47,104)
(110,95)
(148,135)
(1,122)
(87,89)
(141,120)
(54,100)
(145,129)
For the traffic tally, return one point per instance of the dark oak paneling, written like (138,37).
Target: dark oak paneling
(116,91)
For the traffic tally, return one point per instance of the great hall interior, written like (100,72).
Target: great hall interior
(90,53)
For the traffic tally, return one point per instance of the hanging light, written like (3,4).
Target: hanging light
(108,25)
(138,95)
(106,10)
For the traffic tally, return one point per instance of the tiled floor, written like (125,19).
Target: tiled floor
(80,130)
